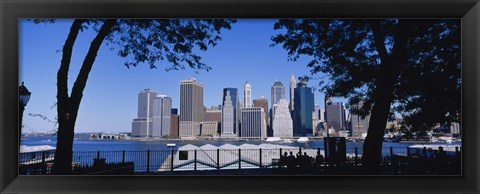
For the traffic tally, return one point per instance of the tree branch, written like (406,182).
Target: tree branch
(379,40)
(80,83)
(62,74)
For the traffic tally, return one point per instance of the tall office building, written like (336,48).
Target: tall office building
(316,109)
(293,84)
(302,112)
(162,109)
(236,105)
(282,124)
(209,128)
(174,123)
(335,116)
(142,125)
(359,124)
(263,103)
(278,92)
(455,129)
(228,116)
(247,95)
(327,101)
(321,113)
(191,107)
(212,115)
(253,122)
(315,121)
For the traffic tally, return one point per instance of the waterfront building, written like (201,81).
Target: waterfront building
(186,155)
(302,112)
(174,123)
(455,129)
(321,113)
(293,84)
(191,107)
(263,103)
(327,101)
(209,128)
(359,124)
(335,116)
(315,121)
(228,116)
(214,114)
(162,109)
(253,122)
(142,125)
(247,95)
(278,92)
(233,98)
(316,109)
(273,110)
(282,124)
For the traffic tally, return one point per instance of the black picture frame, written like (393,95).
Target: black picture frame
(12,10)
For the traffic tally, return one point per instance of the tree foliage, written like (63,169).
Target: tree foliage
(404,65)
(172,40)
(427,90)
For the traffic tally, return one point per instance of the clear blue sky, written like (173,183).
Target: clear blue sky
(110,98)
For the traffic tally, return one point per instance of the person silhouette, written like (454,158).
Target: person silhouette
(283,160)
(318,159)
(441,161)
(290,162)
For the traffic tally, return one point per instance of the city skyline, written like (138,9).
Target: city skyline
(39,63)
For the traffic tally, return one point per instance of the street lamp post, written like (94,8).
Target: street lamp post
(24,96)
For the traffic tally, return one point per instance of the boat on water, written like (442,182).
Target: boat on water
(302,139)
(273,139)
(287,141)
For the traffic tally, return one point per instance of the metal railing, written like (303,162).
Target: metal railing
(394,160)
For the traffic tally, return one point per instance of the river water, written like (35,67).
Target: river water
(82,143)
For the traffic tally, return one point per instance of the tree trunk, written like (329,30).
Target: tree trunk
(383,94)
(65,128)
(67,107)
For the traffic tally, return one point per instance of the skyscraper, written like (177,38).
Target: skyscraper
(142,125)
(228,116)
(282,124)
(174,123)
(212,115)
(315,121)
(263,103)
(359,124)
(335,116)
(302,112)
(162,109)
(233,93)
(321,113)
(191,107)
(327,101)
(247,95)
(209,128)
(293,84)
(278,92)
(253,122)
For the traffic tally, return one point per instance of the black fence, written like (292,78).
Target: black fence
(395,161)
